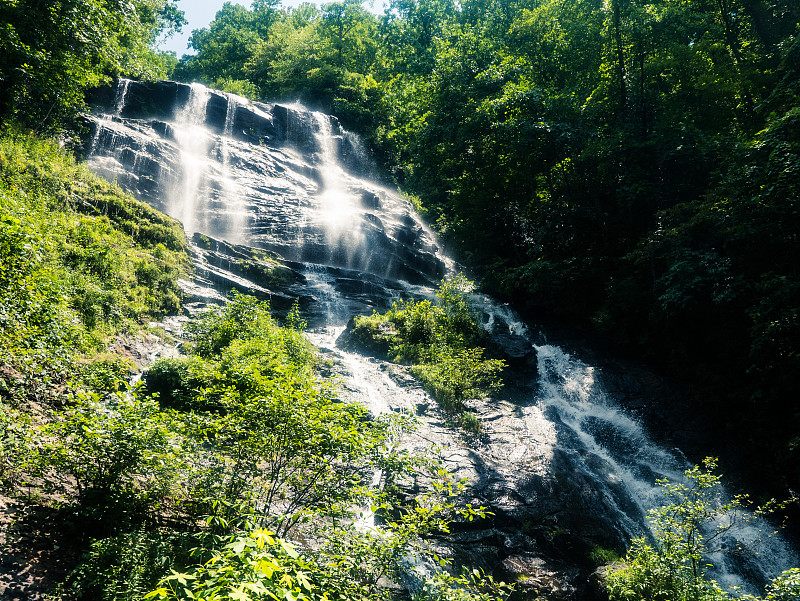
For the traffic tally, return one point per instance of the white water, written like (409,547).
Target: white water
(234,193)
(571,394)
(120,95)
(194,142)
(568,413)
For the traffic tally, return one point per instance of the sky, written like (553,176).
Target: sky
(200,13)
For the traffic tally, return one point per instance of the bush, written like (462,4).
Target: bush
(674,566)
(106,373)
(452,377)
(115,460)
(347,562)
(124,567)
(177,381)
(443,343)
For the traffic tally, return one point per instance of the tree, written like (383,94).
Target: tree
(228,43)
(343,24)
(50,52)
(410,30)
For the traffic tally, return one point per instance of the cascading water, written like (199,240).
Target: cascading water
(194,142)
(232,191)
(120,94)
(592,421)
(558,453)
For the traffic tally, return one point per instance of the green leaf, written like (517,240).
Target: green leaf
(289,549)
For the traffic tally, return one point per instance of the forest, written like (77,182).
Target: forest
(628,167)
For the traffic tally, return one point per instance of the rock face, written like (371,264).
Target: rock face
(552,501)
(280,204)
(271,176)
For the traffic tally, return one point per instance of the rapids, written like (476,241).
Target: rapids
(562,464)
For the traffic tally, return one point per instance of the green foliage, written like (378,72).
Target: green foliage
(441,342)
(14,428)
(115,458)
(226,45)
(686,529)
(256,442)
(472,585)
(176,381)
(82,264)
(81,261)
(785,587)
(246,319)
(124,567)
(263,445)
(454,377)
(601,556)
(348,562)
(106,373)
(254,565)
(281,442)
(50,55)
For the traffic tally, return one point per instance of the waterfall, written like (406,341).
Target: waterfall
(233,193)
(193,142)
(121,92)
(336,205)
(558,453)
(585,412)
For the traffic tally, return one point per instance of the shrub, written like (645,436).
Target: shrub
(686,528)
(125,567)
(106,373)
(452,377)
(116,460)
(176,382)
(443,343)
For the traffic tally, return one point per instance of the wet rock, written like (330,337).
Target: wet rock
(224,267)
(292,127)
(596,589)
(143,349)
(268,193)
(254,126)
(217,111)
(370,200)
(146,99)
(537,579)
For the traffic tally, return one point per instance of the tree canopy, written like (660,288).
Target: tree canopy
(51,52)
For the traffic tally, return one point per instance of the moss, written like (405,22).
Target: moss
(267,273)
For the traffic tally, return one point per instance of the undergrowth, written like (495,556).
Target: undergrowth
(80,262)
(192,483)
(443,343)
(242,433)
